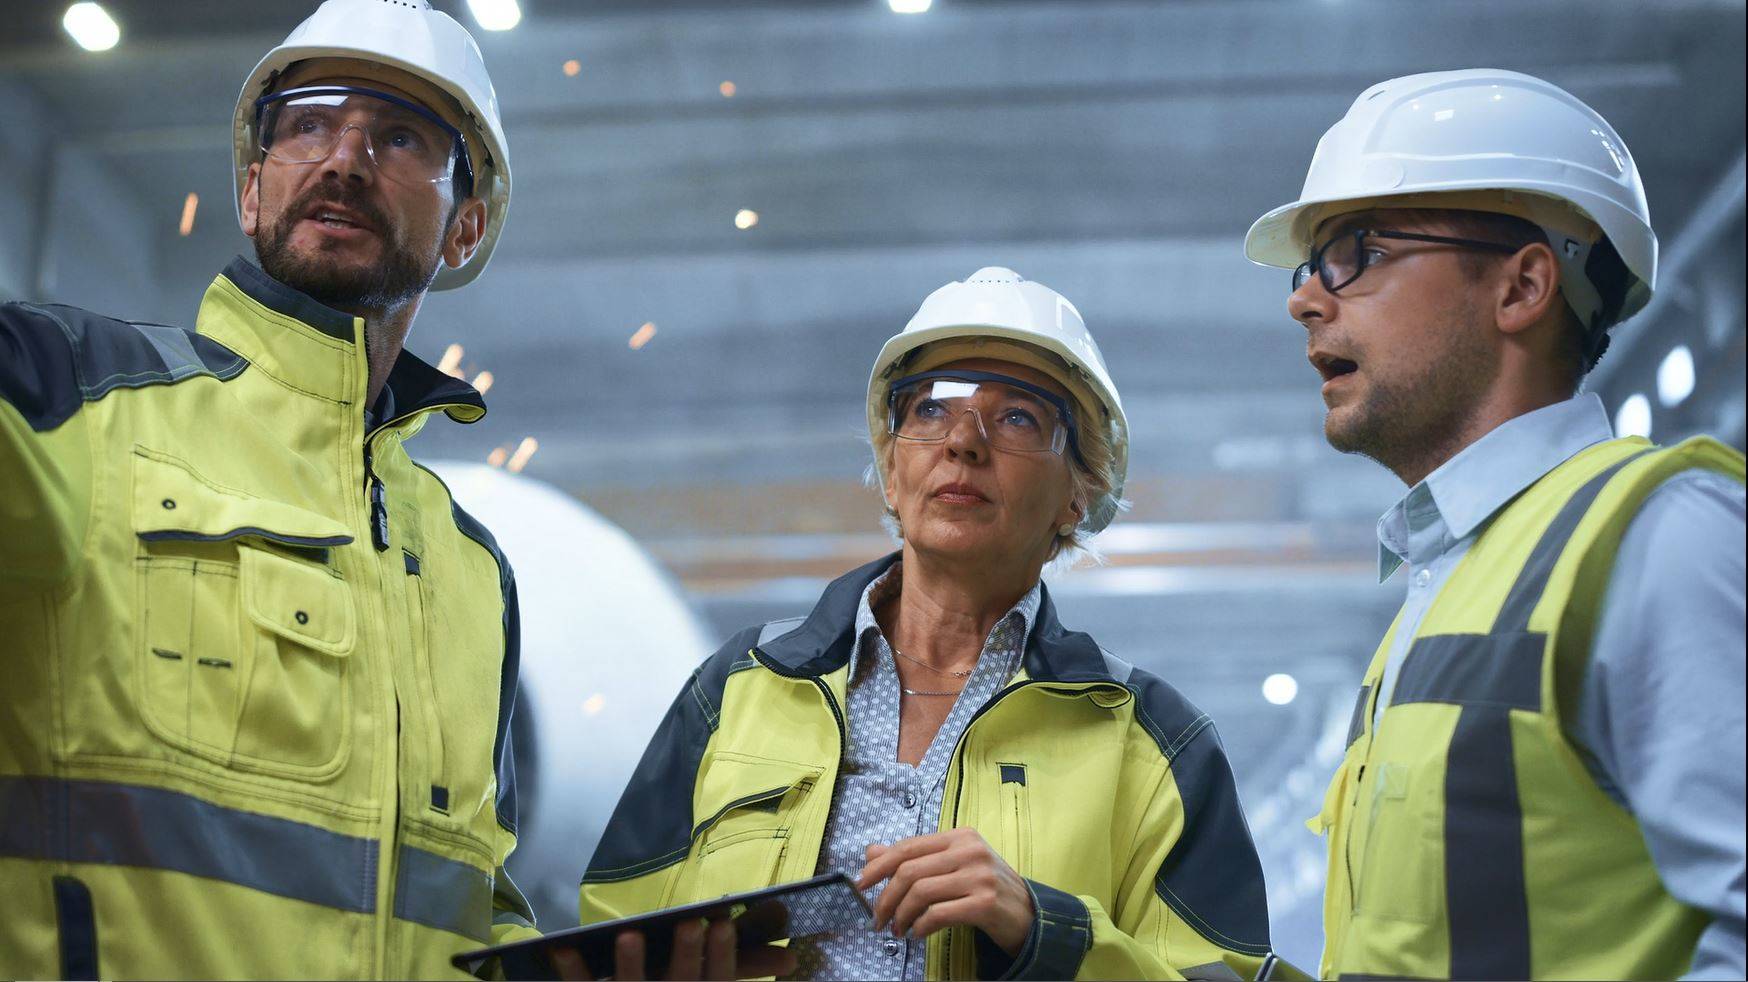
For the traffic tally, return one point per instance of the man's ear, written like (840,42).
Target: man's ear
(465,233)
(1528,288)
(249,205)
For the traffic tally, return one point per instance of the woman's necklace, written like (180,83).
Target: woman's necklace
(937,671)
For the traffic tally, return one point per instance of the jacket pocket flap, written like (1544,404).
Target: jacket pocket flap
(736,783)
(170,501)
(303,603)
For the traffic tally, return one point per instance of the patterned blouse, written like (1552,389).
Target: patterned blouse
(878,798)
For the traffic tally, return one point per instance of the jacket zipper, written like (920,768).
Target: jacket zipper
(956,760)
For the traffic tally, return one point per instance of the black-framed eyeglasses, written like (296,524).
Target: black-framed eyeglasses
(1343,258)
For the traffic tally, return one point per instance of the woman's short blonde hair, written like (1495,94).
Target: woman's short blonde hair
(1091,478)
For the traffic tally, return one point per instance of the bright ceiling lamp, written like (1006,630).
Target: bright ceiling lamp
(91,27)
(1634,416)
(909,6)
(1675,376)
(1280,688)
(495,15)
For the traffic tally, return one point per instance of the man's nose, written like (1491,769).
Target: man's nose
(350,158)
(1310,301)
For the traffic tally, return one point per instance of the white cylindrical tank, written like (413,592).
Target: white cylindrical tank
(608,638)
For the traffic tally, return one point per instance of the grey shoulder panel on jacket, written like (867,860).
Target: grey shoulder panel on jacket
(54,358)
(1212,877)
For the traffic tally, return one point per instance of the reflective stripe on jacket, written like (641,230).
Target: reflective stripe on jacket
(1096,781)
(1467,838)
(259,668)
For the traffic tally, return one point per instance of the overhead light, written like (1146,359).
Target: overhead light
(1634,416)
(189,204)
(745,218)
(727,90)
(1280,688)
(909,6)
(572,67)
(642,335)
(1675,376)
(495,15)
(91,27)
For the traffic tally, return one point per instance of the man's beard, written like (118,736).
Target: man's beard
(1413,419)
(388,284)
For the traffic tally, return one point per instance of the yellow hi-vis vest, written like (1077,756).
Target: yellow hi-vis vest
(1467,839)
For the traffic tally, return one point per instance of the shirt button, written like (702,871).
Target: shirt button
(909,800)
(891,945)
(1423,577)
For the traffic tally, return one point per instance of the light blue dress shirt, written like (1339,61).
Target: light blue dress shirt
(882,799)
(1662,706)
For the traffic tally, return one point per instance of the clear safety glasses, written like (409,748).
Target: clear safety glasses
(408,143)
(1011,414)
(1343,258)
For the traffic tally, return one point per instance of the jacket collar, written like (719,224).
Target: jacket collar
(823,642)
(320,350)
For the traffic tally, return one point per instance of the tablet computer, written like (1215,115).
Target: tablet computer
(821,905)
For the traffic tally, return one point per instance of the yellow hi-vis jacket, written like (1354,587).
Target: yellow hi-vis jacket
(1467,839)
(1096,781)
(258,667)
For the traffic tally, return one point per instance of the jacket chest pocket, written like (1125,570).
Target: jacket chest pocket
(246,632)
(746,809)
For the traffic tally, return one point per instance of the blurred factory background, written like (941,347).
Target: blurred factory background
(721,209)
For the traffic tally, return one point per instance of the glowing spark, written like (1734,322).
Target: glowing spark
(745,218)
(519,459)
(727,90)
(189,204)
(482,382)
(644,333)
(572,67)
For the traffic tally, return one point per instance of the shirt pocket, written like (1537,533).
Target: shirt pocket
(245,629)
(745,810)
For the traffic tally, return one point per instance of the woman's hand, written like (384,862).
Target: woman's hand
(948,879)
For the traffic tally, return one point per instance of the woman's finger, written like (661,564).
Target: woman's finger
(926,893)
(905,877)
(628,949)
(959,912)
(720,942)
(686,955)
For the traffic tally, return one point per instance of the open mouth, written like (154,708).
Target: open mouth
(1331,367)
(336,218)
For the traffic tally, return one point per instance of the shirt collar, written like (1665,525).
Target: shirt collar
(1455,500)
(888,583)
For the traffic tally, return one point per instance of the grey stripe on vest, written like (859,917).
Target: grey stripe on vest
(776,629)
(130,825)
(1485,894)
(1474,670)
(1357,725)
(443,893)
(1514,615)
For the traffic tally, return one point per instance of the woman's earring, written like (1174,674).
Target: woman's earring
(1065,530)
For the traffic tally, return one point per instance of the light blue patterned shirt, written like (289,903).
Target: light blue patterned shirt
(1661,708)
(878,798)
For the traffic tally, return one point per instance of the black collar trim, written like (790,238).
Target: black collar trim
(415,387)
(282,299)
(823,641)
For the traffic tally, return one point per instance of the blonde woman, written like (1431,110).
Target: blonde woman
(1016,802)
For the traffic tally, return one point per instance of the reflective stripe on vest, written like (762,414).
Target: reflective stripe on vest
(118,824)
(131,825)
(1489,675)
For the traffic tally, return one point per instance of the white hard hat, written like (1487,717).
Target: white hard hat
(410,36)
(1487,140)
(998,304)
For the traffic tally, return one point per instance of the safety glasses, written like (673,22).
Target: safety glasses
(1012,414)
(407,142)
(1341,260)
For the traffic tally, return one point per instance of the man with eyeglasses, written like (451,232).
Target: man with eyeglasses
(1544,770)
(259,666)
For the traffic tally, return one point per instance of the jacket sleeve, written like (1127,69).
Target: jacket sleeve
(512,915)
(650,833)
(45,454)
(1190,902)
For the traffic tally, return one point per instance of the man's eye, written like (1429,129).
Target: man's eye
(404,139)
